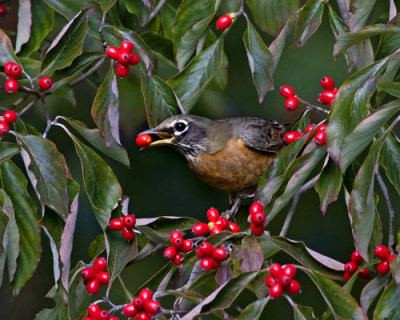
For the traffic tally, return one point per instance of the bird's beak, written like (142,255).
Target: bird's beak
(165,137)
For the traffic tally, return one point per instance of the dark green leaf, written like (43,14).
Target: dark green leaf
(78,298)
(162,47)
(59,312)
(309,20)
(167,17)
(393,88)
(7,150)
(371,291)
(106,5)
(6,50)
(268,247)
(271,15)
(388,306)
(69,8)
(359,13)
(137,8)
(390,160)
(67,45)
(260,61)
(97,246)
(302,312)
(389,43)
(253,310)
(30,66)
(24,24)
(14,184)
(47,171)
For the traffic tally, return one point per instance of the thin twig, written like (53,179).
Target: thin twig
(151,16)
(88,73)
(157,247)
(312,106)
(28,106)
(47,115)
(20,100)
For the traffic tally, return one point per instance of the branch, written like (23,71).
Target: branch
(151,16)
(28,106)
(88,73)
(312,106)
(47,115)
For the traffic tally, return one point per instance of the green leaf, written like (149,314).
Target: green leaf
(372,290)
(67,45)
(7,150)
(271,15)
(309,21)
(78,298)
(47,171)
(393,88)
(389,43)
(350,106)
(24,24)
(390,160)
(191,81)
(167,17)
(339,301)
(6,50)
(388,306)
(137,8)
(14,184)
(192,20)
(42,23)
(360,11)
(347,40)
(59,312)
(251,255)
(302,312)
(162,48)
(69,8)
(254,310)
(106,5)
(260,61)
(93,137)
(159,99)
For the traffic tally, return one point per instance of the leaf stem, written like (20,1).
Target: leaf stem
(88,73)
(152,15)
(47,115)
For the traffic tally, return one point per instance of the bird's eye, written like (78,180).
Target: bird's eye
(180,126)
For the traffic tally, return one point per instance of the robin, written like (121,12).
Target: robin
(228,154)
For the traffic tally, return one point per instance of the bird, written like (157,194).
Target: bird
(229,154)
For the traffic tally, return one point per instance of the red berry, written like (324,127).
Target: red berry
(275,291)
(129,221)
(286,91)
(327,83)
(129,310)
(258,218)
(145,294)
(256,207)
(321,127)
(8,66)
(177,242)
(224,22)
(199,253)
(88,274)
(320,138)
(216,230)
(294,287)
(128,233)
(291,136)
(124,58)
(4,128)
(347,276)
(206,264)
(270,281)
(122,71)
(138,303)
(14,71)
(284,280)
(187,246)
(222,222)
(116,224)
(356,257)
(206,249)
(383,267)
(143,140)
(10,116)
(112,52)
(100,264)
(350,267)
(135,59)
(291,103)
(11,85)
(289,270)
(93,286)
(126,46)
(381,252)
(175,234)
(233,227)
(3,11)
(93,310)
(169,253)
(309,128)
(216,264)
(103,277)
(113,318)
(364,274)
(177,260)
(200,229)
(257,230)
(275,270)
(391,257)
(152,307)
(325,97)
(212,214)
(103,315)
(45,83)
(143,316)
(220,254)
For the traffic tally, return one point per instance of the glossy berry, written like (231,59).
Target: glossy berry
(146,294)
(4,128)
(289,270)
(45,83)
(113,318)
(233,227)
(175,234)
(143,316)
(103,315)
(100,264)
(177,242)
(129,310)
(257,230)
(3,11)
(350,267)
(122,71)
(391,257)
(275,291)
(222,223)
(88,274)
(257,218)
(216,264)
(356,257)
(291,136)
(309,128)
(364,274)
(103,277)
(177,259)
(270,281)
(284,280)
(14,71)
(275,270)
(112,52)
(11,85)
(200,229)
(143,140)
(216,230)
(224,22)
(8,66)
(199,253)
(347,276)
(93,310)
(152,307)
(383,267)
(327,83)
(256,207)
(129,221)
(291,103)
(135,59)
(93,286)
(381,252)
(124,58)
(325,97)
(294,287)
(286,91)
(321,127)
(212,214)
(126,46)
(116,224)
(138,303)
(206,249)
(187,246)
(320,138)
(10,116)
(206,264)
(170,253)
(128,233)
(220,254)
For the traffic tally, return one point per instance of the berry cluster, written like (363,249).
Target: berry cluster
(142,307)
(96,275)
(282,278)
(143,140)
(95,313)
(178,248)
(216,224)
(382,252)
(319,138)
(257,218)
(352,266)
(8,117)
(292,102)
(225,21)
(211,257)
(3,11)
(124,56)
(327,96)
(125,225)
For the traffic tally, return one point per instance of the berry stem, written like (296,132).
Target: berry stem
(88,73)
(152,15)
(313,107)
(20,100)
(47,115)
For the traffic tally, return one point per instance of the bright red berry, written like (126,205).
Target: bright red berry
(256,207)
(309,128)
(321,127)
(327,83)
(100,264)
(177,259)
(364,274)
(291,136)
(143,316)
(320,138)
(284,280)
(257,218)
(270,281)
(103,277)
(383,267)
(199,253)
(88,274)
(169,253)
(289,270)
(212,214)
(122,71)
(220,254)
(113,318)
(146,294)
(233,227)
(256,229)
(93,286)
(126,46)
(391,257)
(356,257)
(206,264)
(216,230)
(138,303)
(103,315)
(128,233)
(129,221)
(11,85)
(124,58)
(350,267)
(93,310)
(286,91)
(216,264)
(14,71)
(10,116)
(152,307)
(325,97)
(135,59)
(3,11)
(175,234)
(275,291)
(8,66)
(291,103)
(222,223)
(143,140)
(177,242)
(112,52)
(187,245)
(275,270)
(224,22)
(347,276)
(129,310)
(116,224)
(294,287)
(381,252)
(206,249)
(4,128)
(45,83)
(200,229)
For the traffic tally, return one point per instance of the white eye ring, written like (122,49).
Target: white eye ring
(178,131)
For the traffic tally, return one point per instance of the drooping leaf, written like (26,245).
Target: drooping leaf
(251,255)
(388,306)
(60,311)
(389,43)
(390,160)
(253,310)
(69,8)
(371,291)
(302,312)
(393,88)
(260,61)
(6,49)
(47,171)
(14,184)
(24,24)
(106,5)
(309,21)
(162,48)
(359,12)
(167,18)
(7,150)
(138,8)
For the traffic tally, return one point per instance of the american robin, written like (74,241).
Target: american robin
(229,154)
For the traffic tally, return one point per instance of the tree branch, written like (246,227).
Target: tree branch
(88,73)
(312,106)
